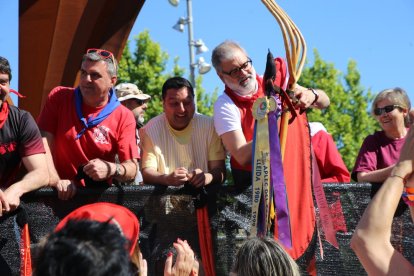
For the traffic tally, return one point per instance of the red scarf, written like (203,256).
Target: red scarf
(245,105)
(4,112)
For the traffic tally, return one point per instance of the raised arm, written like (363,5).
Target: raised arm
(371,240)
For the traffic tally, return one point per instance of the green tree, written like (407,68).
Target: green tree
(146,66)
(347,118)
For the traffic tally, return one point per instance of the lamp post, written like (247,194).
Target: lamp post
(203,67)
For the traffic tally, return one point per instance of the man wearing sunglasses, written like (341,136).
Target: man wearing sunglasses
(136,101)
(86,127)
(20,143)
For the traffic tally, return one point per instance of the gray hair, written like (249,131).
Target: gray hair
(111,65)
(262,257)
(224,51)
(397,96)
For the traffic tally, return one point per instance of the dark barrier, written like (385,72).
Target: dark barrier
(168,213)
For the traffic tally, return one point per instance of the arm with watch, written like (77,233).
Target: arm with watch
(98,169)
(310,97)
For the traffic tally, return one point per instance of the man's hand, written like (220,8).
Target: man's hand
(305,97)
(97,169)
(12,197)
(197,178)
(4,203)
(185,264)
(178,177)
(66,189)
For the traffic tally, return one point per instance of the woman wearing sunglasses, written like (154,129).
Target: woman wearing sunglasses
(381,150)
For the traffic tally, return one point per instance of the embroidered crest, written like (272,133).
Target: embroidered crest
(101,134)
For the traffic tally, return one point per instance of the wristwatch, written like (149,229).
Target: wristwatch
(316,95)
(117,170)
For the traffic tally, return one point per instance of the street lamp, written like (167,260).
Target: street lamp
(201,64)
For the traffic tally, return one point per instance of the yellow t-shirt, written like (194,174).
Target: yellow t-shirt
(164,148)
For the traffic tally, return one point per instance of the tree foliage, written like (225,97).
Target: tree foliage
(146,67)
(347,118)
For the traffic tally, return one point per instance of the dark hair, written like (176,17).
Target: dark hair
(176,83)
(5,67)
(85,247)
(264,257)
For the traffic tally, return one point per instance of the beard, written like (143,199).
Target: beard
(245,86)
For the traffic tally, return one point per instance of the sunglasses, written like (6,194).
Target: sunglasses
(236,72)
(105,54)
(386,109)
(140,102)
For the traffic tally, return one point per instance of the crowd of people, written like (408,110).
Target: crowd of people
(94,135)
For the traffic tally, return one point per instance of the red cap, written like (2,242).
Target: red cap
(122,217)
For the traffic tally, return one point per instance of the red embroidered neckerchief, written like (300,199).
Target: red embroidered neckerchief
(245,105)
(4,112)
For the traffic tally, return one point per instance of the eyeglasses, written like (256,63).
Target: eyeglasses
(105,54)
(386,109)
(236,71)
(140,102)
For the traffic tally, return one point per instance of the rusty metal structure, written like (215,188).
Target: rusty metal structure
(54,34)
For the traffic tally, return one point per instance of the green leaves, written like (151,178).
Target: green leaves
(146,66)
(347,119)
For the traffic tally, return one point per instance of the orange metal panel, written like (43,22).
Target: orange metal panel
(54,34)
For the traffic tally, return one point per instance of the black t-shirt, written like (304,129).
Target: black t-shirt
(19,137)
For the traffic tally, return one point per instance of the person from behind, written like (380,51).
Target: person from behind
(263,257)
(86,127)
(181,146)
(371,239)
(331,167)
(135,100)
(102,239)
(380,151)
(20,143)
(95,239)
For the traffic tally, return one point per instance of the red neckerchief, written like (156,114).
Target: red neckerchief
(4,112)
(245,105)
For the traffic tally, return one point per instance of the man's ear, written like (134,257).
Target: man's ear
(114,80)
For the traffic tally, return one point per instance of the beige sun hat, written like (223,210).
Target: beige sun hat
(125,91)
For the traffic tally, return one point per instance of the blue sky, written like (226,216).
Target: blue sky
(378,35)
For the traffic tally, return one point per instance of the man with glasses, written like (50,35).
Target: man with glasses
(20,143)
(234,123)
(233,118)
(136,101)
(86,127)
